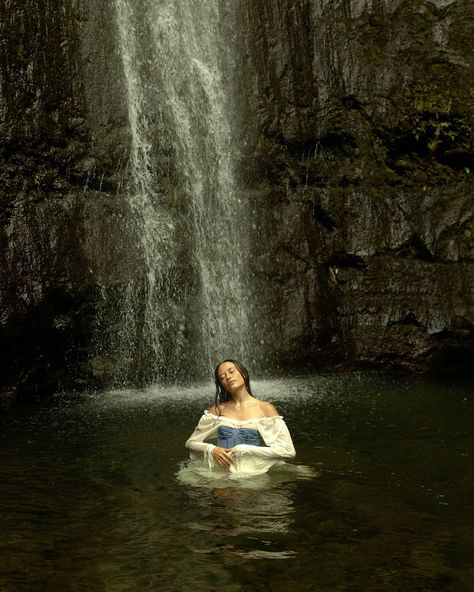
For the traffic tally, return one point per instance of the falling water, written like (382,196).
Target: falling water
(149,312)
(176,55)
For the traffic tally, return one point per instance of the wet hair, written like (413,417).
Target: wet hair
(221,394)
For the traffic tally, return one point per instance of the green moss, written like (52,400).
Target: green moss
(434,122)
(467,229)
(431,128)
(21,51)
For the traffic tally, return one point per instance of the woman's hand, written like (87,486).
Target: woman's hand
(222,456)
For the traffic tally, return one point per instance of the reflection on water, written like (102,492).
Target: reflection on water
(95,495)
(236,515)
(198,476)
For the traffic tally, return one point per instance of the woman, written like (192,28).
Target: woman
(251,436)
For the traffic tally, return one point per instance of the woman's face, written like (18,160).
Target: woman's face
(229,376)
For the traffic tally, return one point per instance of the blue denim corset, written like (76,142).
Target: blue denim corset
(229,437)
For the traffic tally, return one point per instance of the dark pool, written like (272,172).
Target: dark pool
(90,499)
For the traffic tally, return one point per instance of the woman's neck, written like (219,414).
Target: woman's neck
(242,398)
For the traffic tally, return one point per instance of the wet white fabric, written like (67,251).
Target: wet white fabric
(247,459)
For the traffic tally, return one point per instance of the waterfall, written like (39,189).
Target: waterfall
(192,302)
(148,306)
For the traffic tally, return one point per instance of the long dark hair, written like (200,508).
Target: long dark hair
(221,394)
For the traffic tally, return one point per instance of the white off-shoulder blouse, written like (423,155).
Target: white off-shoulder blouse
(247,458)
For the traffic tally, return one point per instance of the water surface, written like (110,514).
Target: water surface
(90,498)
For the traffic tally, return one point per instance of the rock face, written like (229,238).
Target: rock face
(62,236)
(359,128)
(357,122)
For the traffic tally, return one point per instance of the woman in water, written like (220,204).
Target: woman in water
(251,436)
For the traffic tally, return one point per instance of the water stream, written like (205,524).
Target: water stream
(177,63)
(91,499)
(147,306)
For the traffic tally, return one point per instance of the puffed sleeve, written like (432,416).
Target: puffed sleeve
(277,438)
(205,429)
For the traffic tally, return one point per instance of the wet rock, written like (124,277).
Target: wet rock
(357,158)
(360,116)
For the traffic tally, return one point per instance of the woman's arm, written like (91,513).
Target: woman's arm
(277,438)
(206,428)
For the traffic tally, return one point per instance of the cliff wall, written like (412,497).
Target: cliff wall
(359,135)
(62,236)
(356,127)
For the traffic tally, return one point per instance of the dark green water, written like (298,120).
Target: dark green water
(90,501)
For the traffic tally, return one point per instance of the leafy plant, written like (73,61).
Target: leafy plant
(433,120)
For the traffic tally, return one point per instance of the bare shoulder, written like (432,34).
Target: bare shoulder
(268,409)
(213,410)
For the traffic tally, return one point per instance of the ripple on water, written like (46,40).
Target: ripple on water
(96,493)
